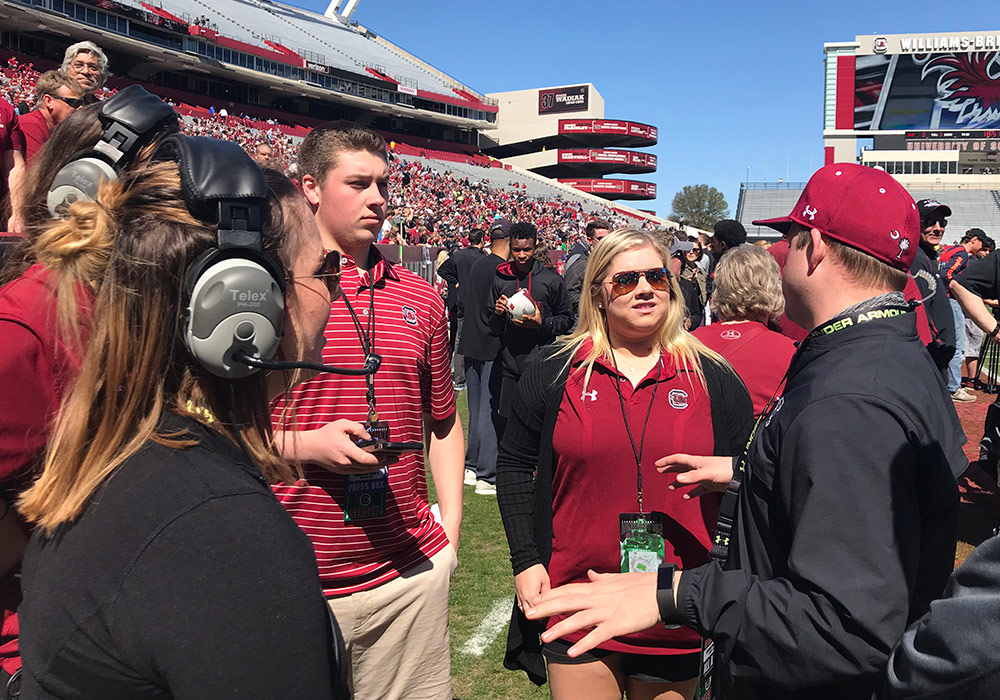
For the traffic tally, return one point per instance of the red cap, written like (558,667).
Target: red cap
(865,208)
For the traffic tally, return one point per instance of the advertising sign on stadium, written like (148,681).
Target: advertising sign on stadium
(927,91)
(318,67)
(928,43)
(564,99)
(406,90)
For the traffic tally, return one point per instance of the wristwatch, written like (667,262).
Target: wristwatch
(665,594)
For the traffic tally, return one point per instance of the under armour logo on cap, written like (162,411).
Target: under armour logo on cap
(810,212)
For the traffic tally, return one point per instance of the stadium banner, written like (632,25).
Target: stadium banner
(406,90)
(927,91)
(607,155)
(564,99)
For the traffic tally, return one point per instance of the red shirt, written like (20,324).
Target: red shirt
(35,131)
(34,371)
(411,335)
(8,127)
(595,480)
(760,356)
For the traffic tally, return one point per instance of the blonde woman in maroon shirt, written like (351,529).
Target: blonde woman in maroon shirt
(595,413)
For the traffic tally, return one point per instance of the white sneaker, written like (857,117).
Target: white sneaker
(963,396)
(470,477)
(485,488)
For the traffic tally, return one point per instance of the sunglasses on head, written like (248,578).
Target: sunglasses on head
(626,282)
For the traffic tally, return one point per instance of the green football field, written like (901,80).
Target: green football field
(482,594)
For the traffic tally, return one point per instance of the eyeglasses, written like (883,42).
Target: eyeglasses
(941,222)
(329,272)
(74,102)
(91,67)
(626,282)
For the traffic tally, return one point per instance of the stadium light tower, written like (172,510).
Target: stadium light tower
(334,12)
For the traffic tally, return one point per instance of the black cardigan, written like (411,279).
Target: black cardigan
(523,499)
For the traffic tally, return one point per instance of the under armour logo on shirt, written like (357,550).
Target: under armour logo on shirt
(592,395)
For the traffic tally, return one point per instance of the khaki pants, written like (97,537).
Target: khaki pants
(397,634)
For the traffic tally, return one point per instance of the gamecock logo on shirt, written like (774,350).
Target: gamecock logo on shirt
(410,315)
(678,398)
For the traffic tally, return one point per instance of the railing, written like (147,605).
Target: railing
(772,185)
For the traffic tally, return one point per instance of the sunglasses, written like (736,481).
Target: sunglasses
(626,282)
(74,102)
(329,272)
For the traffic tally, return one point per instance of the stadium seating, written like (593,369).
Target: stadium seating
(979,208)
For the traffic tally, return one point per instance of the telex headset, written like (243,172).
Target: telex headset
(234,293)
(130,120)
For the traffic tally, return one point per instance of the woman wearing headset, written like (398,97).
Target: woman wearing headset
(594,413)
(162,566)
(44,304)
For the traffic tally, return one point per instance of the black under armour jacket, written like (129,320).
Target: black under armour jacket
(940,319)
(846,521)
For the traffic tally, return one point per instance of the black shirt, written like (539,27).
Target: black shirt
(183,578)
(457,269)
(479,341)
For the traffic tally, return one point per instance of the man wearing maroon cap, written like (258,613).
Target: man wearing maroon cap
(837,527)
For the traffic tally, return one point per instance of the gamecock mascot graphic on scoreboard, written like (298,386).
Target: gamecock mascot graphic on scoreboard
(968,84)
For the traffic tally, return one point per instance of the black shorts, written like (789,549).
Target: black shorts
(645,668)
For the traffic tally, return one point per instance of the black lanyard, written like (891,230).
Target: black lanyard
(728,505)
(637,453)
(367,338)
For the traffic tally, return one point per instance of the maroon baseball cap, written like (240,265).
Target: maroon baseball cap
(864,208)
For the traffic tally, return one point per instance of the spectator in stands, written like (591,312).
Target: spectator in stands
(10,157)
(480,346)
(576,261)
(56,96)
(841,528)
(931,287)
(747,298)
(576,410)
(385,552)
(262,154)
(210,590)
(85,63)
(953,260)
(519,336)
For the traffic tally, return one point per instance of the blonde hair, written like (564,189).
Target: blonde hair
(747,285)
(136,367)
(684,349)
(51,81)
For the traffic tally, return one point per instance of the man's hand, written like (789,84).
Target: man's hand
(707,474)
(500,307)
(531,583)
(613,604)
(332,447)
(530,321)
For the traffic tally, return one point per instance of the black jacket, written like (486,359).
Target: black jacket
(183,578)
(939,315)
(479,341)
(526,502)
(952,651)
(456,271)
(548,291)
(576,267)
(846,523)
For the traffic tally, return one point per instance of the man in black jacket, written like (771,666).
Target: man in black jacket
(576,261)
(455,271)
(518,337)
(479,346)
(837,527)
(926,273)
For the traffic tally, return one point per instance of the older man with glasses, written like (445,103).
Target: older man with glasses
(86,64)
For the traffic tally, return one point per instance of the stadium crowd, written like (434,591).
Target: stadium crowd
(220,401)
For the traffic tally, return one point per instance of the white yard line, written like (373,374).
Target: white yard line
(488,630)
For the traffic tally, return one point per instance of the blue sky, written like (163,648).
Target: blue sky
(729,85)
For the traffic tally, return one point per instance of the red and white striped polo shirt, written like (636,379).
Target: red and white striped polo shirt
(411,335)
